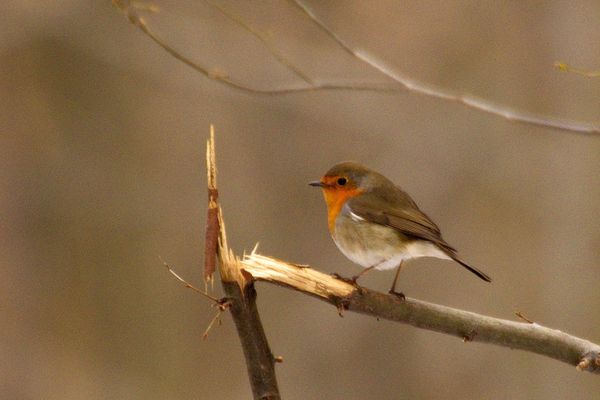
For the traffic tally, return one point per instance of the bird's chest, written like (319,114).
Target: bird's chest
(365,243)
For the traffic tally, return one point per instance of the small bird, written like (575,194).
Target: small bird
(377,225)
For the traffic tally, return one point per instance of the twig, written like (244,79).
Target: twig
(468,326)
(223,305)
(432,91)
(221,77)
(263,39)
(189,285)
(216,318)
(400,83)
(564,67)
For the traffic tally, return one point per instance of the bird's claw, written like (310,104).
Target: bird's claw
(351,281)
(399,295)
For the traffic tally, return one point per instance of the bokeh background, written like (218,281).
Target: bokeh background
(102,140)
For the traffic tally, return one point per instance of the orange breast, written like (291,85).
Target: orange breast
(335,199)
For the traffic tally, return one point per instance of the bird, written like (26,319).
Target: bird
(377,225)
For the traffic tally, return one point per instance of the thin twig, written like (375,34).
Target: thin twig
(264,40)
(432,91)
(223,306)
(400,83)
(189,285)
(564,67)
(217,317)
(221,77)
(468,326)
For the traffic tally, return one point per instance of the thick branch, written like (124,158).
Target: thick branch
(464,324)
(240,294)
(260,362)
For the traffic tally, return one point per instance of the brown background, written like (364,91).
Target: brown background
(102,171)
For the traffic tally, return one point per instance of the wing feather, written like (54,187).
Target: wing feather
(407,219)
(400,212)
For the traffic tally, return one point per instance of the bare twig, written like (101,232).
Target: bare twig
(432,91)
(399,82)
(137,20)
(222,304)
(263,39)
(468,326)
(189,285)
(583,72)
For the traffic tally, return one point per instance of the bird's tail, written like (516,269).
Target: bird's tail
(480,274)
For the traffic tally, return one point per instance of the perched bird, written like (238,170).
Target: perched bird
(377,225)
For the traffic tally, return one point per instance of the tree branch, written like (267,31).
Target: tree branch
(400,82)
(240,296)
(239,288)
(466,325)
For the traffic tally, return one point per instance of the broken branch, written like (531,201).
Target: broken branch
(465,325)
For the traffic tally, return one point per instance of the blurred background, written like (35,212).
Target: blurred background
(102,171)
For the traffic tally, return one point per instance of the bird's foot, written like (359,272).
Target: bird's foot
(399,295)
(351,280)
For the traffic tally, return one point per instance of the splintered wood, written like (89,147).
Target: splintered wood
(212,217)
(297,277)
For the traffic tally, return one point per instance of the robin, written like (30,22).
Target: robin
(377,225)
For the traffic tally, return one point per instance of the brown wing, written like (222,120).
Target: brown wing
(405,217)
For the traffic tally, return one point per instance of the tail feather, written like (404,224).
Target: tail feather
(480,274)
(451,252)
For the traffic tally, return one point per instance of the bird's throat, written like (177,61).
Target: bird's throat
(335,199)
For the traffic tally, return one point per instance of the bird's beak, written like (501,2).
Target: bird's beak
(316,183)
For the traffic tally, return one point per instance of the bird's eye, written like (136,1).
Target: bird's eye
(342,181)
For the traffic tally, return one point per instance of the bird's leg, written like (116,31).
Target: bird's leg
(393,289)
(353,280)
(361,273)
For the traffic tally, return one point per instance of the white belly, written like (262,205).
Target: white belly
(380,246)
